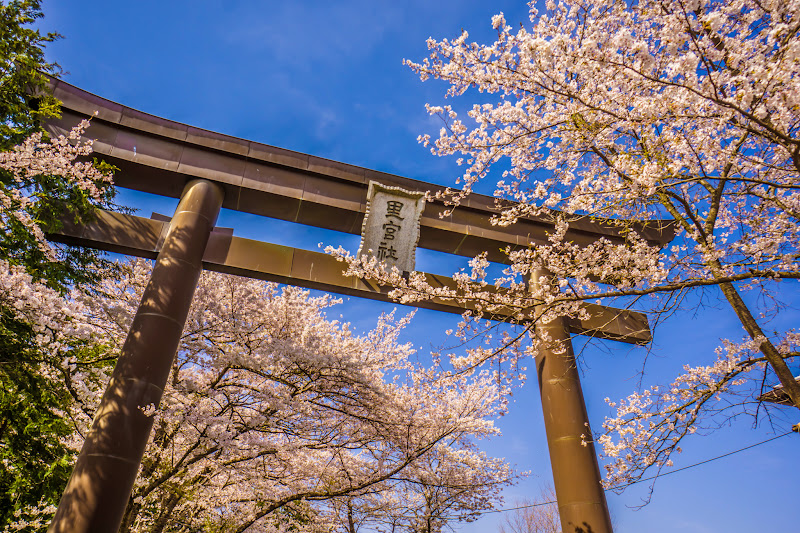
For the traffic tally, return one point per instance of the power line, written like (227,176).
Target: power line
(540,504)
(700,463)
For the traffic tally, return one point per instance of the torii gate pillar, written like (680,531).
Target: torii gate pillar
(582,503)
(101,483)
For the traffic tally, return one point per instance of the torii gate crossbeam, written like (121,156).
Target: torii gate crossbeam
(208,171)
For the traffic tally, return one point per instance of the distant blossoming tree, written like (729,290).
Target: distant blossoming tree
(652,109)
(534,516)
(276,418)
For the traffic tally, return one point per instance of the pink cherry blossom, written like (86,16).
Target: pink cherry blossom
(618,112)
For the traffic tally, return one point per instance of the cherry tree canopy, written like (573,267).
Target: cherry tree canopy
(686,109)
(277,418)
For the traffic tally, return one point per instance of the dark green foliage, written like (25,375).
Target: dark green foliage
(22,74)
(33,463)
(22,65)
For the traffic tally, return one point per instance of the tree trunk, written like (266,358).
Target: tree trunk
(131,512)
(166,512)
(350,522)
(772,355)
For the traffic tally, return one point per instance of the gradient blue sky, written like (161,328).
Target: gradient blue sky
(326,78)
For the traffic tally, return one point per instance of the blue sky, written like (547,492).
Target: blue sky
(326,78)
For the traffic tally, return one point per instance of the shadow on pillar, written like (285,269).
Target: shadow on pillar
(99,488)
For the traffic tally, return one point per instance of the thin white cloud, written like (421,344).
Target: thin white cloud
(300,35)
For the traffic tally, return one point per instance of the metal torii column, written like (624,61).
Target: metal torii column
(582,504)
(100,486)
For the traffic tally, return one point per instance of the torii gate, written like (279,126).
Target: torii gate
(208,171)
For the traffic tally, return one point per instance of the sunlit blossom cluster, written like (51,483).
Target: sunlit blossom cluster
(31,519)
(46,311)
(649,425)
(33,160)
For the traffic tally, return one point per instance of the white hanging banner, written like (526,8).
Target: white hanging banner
(391,225)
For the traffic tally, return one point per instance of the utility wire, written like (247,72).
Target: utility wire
(700,463)
(540,504)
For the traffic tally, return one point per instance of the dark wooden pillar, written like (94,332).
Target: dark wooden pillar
(576,476)
(100,485)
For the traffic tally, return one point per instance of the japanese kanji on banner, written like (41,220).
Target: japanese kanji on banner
(391,225)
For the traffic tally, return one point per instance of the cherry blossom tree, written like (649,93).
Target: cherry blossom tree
(277,418)
(621,112)
(444,485)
